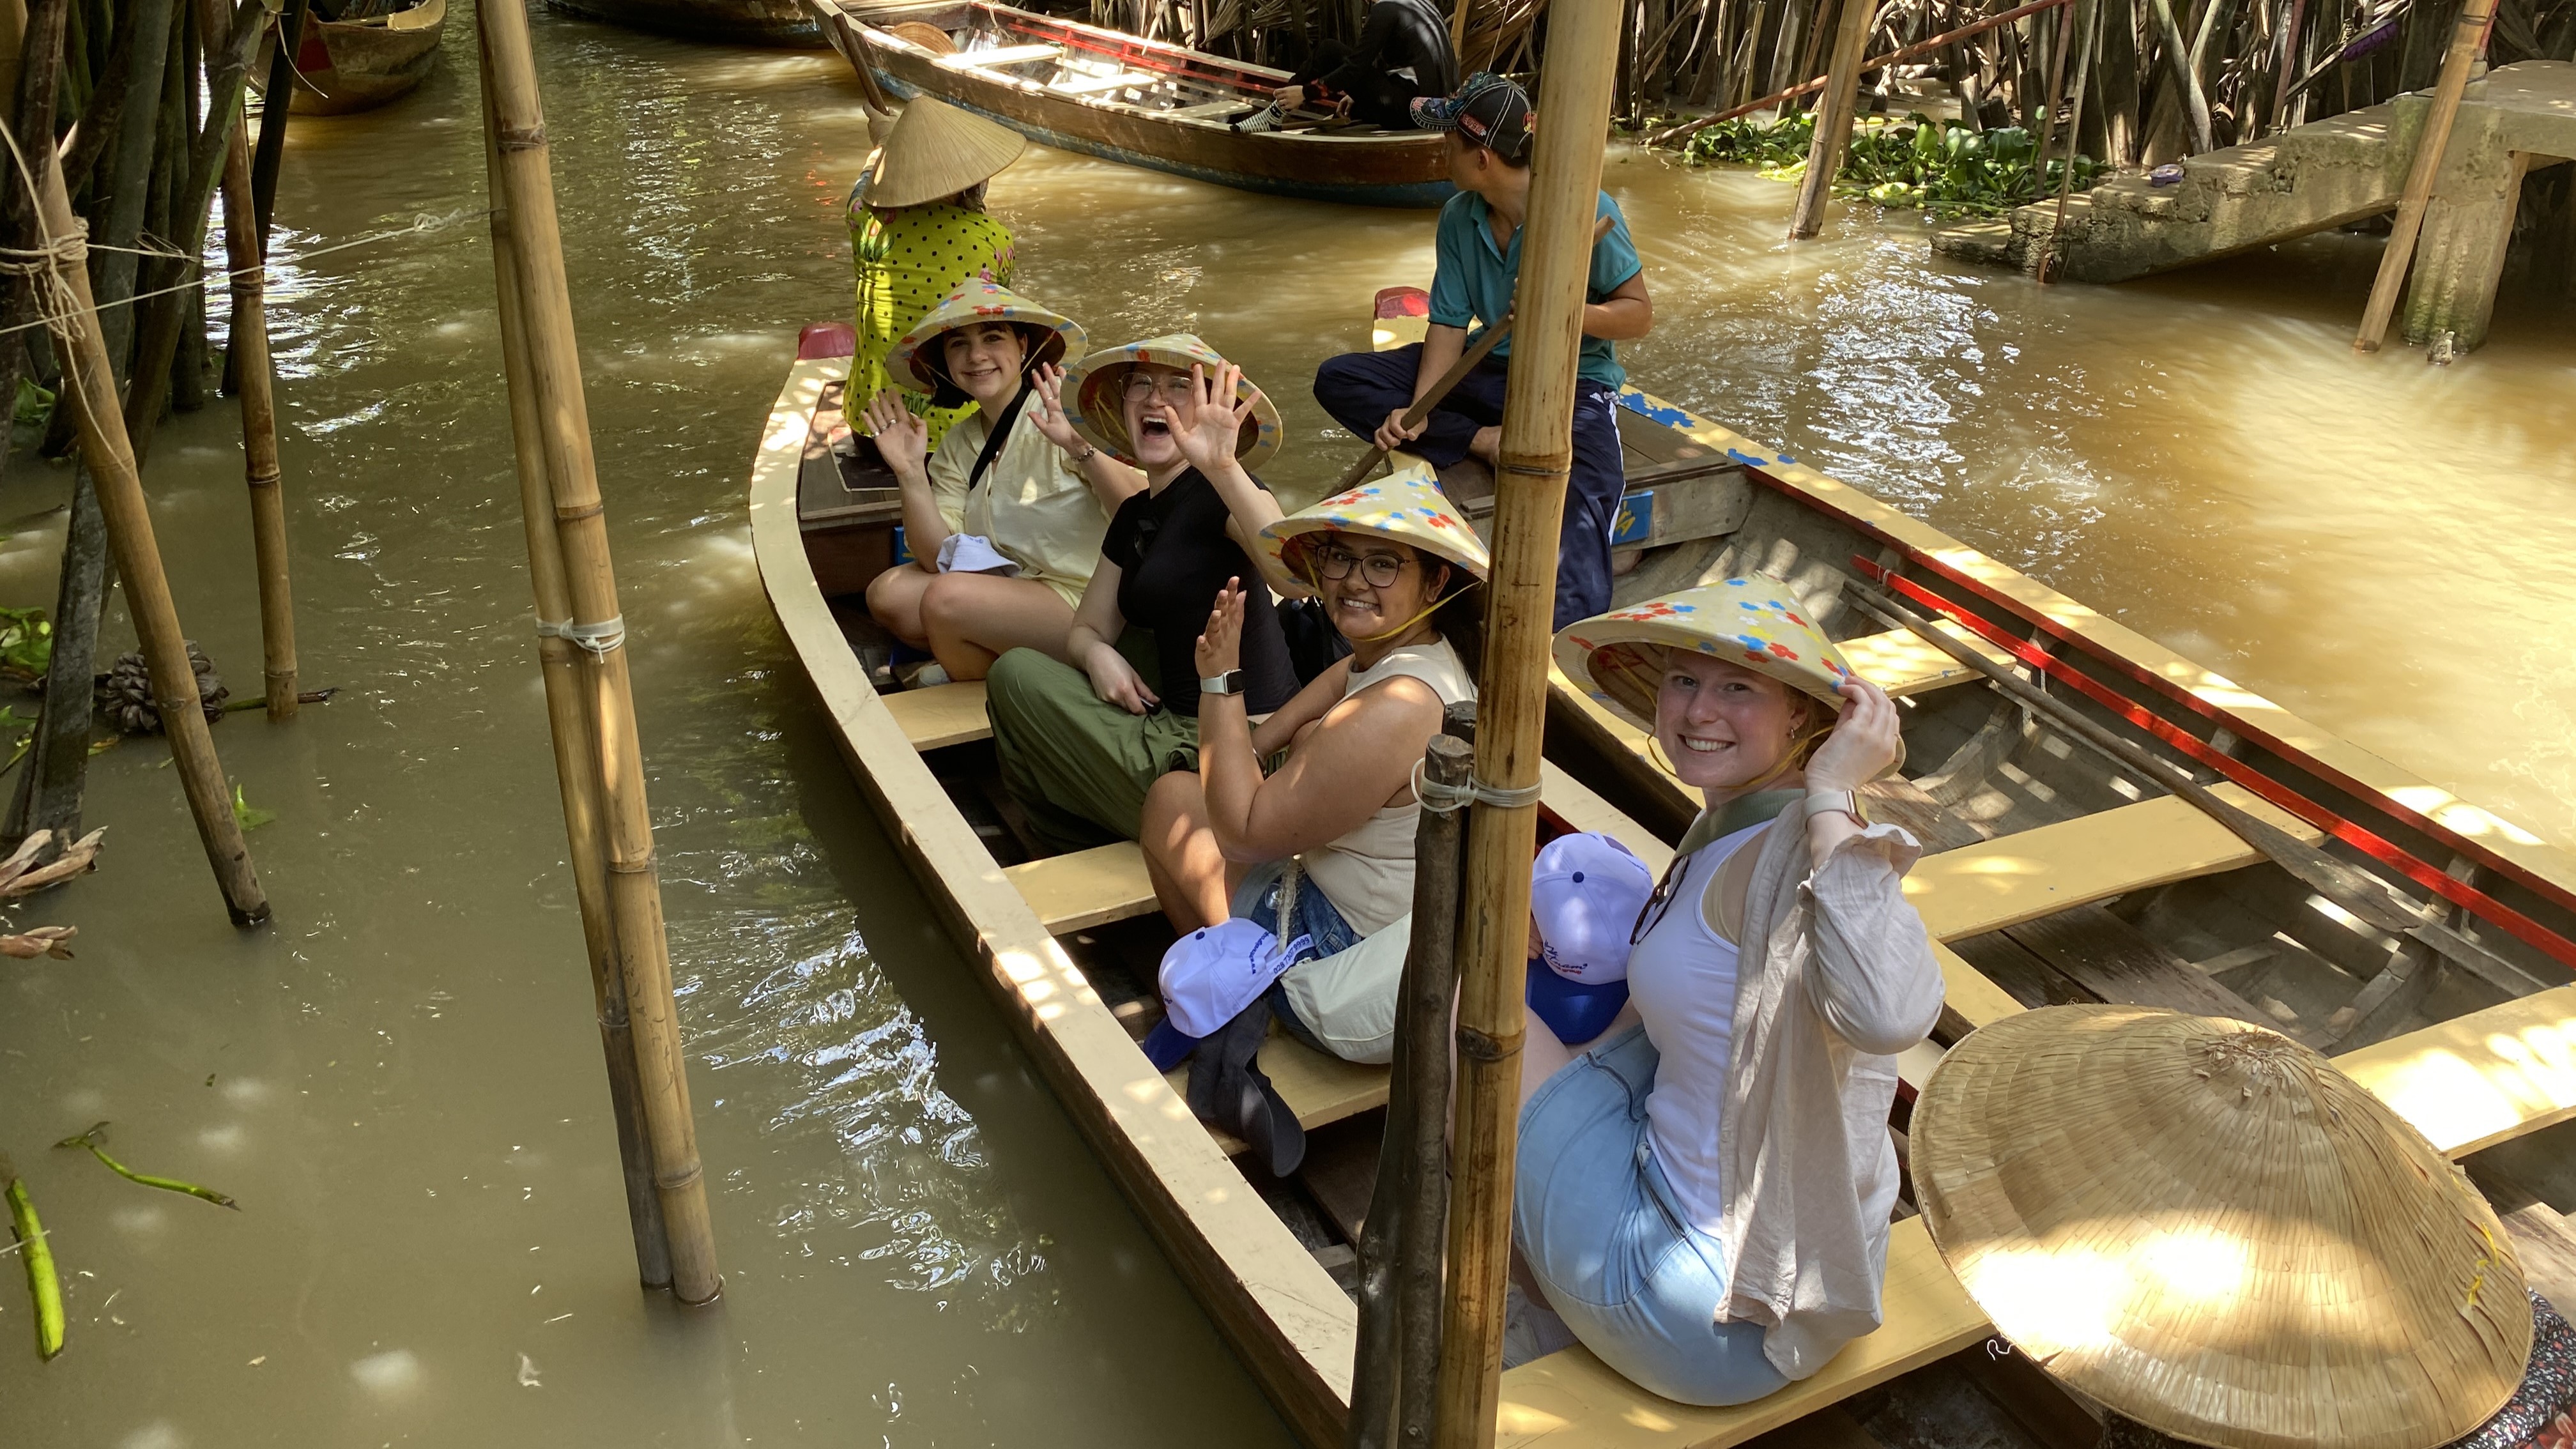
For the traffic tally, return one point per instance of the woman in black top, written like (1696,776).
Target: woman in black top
(1079,744)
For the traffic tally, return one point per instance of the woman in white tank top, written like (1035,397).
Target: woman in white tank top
(1329,831)
(1704,1195)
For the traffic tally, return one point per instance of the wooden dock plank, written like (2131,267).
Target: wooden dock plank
(2480,1079)
(944,714)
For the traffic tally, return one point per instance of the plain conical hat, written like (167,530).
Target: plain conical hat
(2208,1228)
(937,150)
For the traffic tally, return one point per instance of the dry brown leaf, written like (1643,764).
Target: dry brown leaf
(39,941)
(76,858)
(23,857)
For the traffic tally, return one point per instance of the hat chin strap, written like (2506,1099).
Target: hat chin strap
(1314,580)
(1655,744)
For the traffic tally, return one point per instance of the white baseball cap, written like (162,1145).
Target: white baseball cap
(1210,975)
(1585,893)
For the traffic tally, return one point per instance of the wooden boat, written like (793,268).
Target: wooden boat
(1144,102)
(733,22)
(2052,877)
(358,64)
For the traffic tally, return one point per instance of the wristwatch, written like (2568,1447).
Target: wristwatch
(1821,802)
(1230,682)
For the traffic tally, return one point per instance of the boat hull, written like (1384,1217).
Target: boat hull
(343,68)
(737,22)
(1407,170)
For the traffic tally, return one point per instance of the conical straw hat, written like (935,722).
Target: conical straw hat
(1406,505)
(1755,622)
(916,362)
(1095,406)
(937,150)
(2208,1228)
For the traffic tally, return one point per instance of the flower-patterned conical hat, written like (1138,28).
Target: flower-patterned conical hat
(917,362)
(1753,622)
(1095,402)
(1406,505)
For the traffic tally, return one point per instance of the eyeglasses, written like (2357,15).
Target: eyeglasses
(1145,385)
(1381,570)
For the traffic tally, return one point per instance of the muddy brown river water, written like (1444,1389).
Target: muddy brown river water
(398,1079)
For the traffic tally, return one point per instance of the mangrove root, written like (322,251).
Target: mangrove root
(21,876)
(44,1286)
(95,1135)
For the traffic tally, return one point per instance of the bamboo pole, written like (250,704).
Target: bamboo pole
(1834,124)
(2468,37)
(1537,455)
(89,387)
(576,776)
(248,347)
(275,103)
(536,263)
(2091,31)
(1395,1367)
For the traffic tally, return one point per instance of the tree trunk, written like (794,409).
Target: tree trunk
(129,178)
(51,782)
(2119,63)
(31,113)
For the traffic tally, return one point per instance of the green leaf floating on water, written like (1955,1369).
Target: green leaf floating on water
(26,642)
(247,815)
(44,1286)
(98,1134)
(34,403)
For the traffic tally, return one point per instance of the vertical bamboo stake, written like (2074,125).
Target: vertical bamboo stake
(89,386)
(1834,122)
(2468,37)
(554,366)
(248,348)
(1537,456)
(2091,30)
(568,722)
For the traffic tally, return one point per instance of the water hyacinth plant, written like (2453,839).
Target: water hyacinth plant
(1943,167)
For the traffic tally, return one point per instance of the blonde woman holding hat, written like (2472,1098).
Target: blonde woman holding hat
(1322,847)
(1082,732)
(1005,516)
(918,229)
(1704,1196)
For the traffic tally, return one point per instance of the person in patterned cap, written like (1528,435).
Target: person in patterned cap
(1321,848)
(1704,1196)
(1478,248)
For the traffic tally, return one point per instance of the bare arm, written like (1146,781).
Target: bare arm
(1441,349)
(1091,643)
(1112,482)
(1302,709)
(1627,314)
(903,441)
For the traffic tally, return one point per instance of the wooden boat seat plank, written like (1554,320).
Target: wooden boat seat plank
(2480,1079)
(1094,84)
(942,715)
(1003,56)
(1085,888)
(1320,1089)
(1572,1398)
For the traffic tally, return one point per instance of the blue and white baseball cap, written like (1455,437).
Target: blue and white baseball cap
(1209,976)
(1585,893)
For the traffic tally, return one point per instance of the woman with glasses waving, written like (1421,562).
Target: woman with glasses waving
(1396,569)
(1079,741)
(1704,1195)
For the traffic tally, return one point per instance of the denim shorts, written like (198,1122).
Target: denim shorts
(1313,916)
(1596,1222)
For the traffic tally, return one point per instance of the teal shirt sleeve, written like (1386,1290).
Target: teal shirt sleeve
(1614,257)
(1452,244)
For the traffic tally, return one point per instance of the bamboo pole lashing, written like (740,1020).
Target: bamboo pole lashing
(1834,123)
(1537,457)
(560,664)
(517,123)
(89,387)
(2468,39)
(254,389)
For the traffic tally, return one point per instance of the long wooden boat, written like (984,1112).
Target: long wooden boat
(1143,102)
(357,65)
(734,22)
(2053,876)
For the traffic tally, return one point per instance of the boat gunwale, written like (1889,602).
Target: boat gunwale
(1289,1324)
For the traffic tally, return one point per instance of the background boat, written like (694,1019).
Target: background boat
(1143,102)
(370,55)
(737,22)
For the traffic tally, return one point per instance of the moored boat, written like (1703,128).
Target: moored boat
(1143,102)
(2053,875)
(735,22)
(359,61)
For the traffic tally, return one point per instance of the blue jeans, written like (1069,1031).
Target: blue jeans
(1597,1224)
(1313,916)
(1360,388)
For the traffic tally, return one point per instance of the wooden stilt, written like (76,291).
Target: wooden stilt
(576,753)
(89,388)
(248,349)
(1834,121)
(2468,37)
(1537,456)
(517,122)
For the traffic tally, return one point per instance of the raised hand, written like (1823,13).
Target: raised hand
(1863,743)
(1220,649)
(902,439)
(1210,421)
(1047,408)
(1116,681)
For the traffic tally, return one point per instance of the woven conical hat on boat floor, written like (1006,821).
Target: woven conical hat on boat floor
(2208,1228)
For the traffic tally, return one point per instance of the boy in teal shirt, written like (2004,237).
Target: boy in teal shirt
(1479,261)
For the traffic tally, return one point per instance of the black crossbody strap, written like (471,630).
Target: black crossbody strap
(1001,433)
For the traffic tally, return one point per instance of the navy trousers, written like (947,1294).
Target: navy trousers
(1360,388)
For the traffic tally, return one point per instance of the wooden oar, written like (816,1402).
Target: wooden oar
(1415,415)
(2357,891)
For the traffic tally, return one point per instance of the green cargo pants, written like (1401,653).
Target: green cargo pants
(1078,765)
